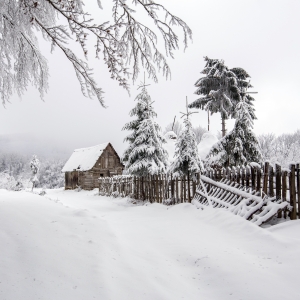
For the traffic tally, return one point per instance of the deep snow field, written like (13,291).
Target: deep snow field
(70,245)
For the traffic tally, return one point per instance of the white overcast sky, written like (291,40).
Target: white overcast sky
(261,36)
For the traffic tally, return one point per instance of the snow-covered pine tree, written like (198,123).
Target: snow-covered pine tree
(145,154)
(187,160)
(34,166)
(240,146)
(221,90)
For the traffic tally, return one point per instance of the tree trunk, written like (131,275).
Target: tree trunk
(208,120)
(223,127)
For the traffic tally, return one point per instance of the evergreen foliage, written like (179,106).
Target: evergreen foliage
(222,89)
(240,146)
(145,154)
(187,160)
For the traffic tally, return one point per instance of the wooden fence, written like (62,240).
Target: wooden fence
(263,179)
(154,188)
(266,181)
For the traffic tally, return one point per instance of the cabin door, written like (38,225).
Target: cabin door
(74,179)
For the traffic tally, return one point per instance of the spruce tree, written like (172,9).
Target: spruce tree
(221,89)
(145,154)
(240,146)
(187,160)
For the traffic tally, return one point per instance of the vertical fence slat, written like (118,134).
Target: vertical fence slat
(278,185)
(266,174)
(298,188)
(258,180)
(293,192)
(271,181)
(176,189)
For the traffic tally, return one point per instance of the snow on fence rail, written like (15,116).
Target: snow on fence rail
(254,192)
(265,180)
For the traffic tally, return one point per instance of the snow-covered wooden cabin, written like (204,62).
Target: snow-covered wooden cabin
(86,165)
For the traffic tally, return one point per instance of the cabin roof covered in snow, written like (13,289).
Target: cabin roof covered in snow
(84,159)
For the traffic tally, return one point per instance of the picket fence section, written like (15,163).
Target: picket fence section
(154,188)
(261,180)
(266,181)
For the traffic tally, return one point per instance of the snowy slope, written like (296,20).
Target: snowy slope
(71,245)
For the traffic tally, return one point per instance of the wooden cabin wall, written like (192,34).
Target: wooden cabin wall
(107,165)
(71,180)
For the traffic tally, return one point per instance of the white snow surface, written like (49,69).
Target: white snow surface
(77,245)
(207,141)
(84,159)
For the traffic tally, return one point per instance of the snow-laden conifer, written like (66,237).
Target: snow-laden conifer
(145,154)
(34,166)
(240,146)
(221,89)
(186,158)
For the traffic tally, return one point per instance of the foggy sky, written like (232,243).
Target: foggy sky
(260,36)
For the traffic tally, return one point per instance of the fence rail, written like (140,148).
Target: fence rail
(155,188)
(266,180)
(263,179)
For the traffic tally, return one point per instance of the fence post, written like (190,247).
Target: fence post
(278,185)
(247,176)
(266,174)
(298,188)
(258,180)
(189,187)
(253,176)
(184,188)
(176,189)
(293,192)
(238,175)
(271,181)
(243,175)
(284,186)
(172,187)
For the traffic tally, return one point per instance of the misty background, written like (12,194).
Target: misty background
(260,36)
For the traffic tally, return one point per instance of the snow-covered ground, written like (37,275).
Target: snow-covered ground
(70,245)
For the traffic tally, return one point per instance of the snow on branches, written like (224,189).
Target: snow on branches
(221,89)
(186,158)
(240,146)
(124,42)
(145,154)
